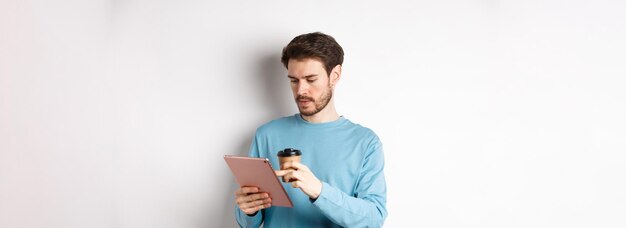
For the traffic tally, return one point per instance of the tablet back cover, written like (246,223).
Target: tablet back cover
(257,172)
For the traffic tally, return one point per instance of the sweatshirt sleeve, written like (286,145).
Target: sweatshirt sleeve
(367,207)
(243,219)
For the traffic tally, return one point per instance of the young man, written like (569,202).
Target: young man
(340,180)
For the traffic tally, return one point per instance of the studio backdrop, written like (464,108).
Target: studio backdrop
(492,113)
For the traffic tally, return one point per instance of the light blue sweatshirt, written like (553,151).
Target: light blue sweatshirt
(346,157)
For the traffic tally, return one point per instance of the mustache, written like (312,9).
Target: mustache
(304,98)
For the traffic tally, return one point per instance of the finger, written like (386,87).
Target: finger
(286,177)
(257,196)
(295,165)
(252,197)
(281,173)
(292,176)
(246,190)
(251,210)
(300,166)
(255,203)
(288,165)
(296,184)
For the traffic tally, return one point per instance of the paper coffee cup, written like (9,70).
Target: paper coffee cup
(287,155)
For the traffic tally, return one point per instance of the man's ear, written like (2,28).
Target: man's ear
(335,75)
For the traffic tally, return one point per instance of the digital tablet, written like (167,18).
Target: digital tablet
(258,172)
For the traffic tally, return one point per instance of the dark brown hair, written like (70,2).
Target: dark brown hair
(315,45)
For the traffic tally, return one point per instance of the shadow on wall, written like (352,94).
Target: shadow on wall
(273,92)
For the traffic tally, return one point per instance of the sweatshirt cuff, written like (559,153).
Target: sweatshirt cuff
(247,219)
(329,194)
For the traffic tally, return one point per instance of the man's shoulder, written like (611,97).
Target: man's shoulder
(368,136)
(278,123)
(364,131)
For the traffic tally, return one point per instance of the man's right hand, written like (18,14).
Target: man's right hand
(250,200)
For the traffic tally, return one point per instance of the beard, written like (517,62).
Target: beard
(318,104)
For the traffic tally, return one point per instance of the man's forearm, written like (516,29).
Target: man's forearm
(348,211)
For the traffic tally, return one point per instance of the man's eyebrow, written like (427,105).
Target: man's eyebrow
(308,76)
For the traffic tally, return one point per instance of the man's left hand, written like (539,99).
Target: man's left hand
(300,176)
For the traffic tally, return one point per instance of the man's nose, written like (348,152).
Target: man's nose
(303,88)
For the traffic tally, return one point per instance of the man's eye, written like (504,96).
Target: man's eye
(310,80)
(293,81)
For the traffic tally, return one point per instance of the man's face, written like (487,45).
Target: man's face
(310,85)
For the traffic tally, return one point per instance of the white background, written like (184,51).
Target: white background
(492,113)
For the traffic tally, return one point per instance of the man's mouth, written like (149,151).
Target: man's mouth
(303,102)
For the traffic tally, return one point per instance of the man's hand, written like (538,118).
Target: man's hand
(250,200)
(301,177)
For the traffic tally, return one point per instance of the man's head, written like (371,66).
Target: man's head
(313,62)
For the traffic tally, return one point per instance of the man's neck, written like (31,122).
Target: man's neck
(328,114)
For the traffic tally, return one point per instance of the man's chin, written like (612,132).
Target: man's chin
(307,112)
